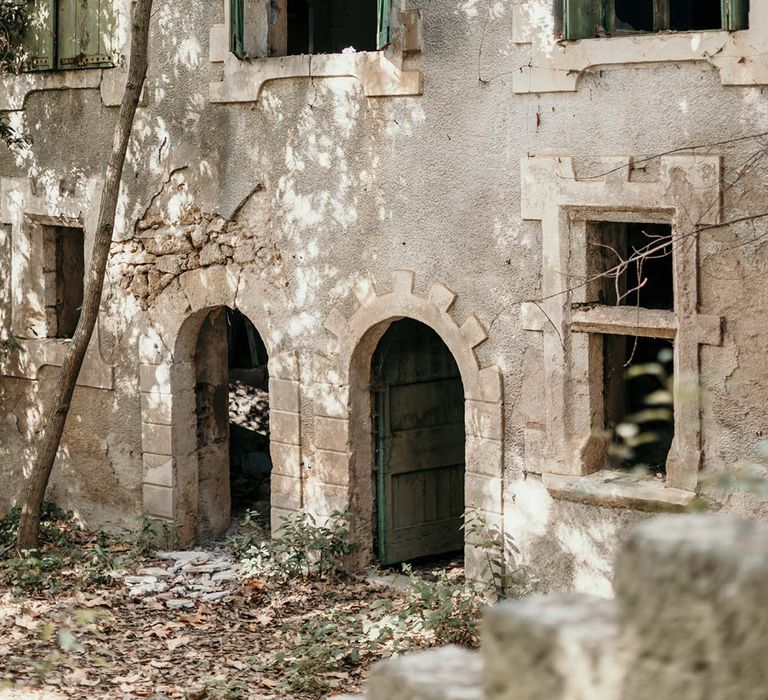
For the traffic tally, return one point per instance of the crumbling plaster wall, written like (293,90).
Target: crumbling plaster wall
(351,187)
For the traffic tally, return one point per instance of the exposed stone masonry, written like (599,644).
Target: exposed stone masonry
(161,250)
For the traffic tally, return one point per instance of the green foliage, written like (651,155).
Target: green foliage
(303,550)
(151,533)
(9,344)
(642,439)
(250,533)
(13,24)
(447,607)
(55,524)
(325,648)
(63,560)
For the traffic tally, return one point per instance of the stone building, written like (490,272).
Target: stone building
(401,224)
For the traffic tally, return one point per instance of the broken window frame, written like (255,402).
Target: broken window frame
(64,35)
(591,321)
(277,29)
(588,19)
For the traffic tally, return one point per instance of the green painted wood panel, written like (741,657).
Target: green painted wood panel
(40,42)
(384,31)
(237,28)
(85,33)
(581,18)
(420,446)
(736,14)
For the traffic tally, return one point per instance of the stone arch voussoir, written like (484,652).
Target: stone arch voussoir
(166,338)
(343,450)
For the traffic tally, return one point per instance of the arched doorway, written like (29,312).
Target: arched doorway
(419,444)
(232,415)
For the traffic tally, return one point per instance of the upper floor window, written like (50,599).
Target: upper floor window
(69,34)
(586,19)
(261,28)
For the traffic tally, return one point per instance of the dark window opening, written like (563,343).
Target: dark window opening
(630,264)
(692,15)
(639,410)
(587,19)
(634,16)
(64,270)
(330,26)
(250,462)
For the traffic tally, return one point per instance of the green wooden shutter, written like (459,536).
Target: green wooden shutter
(735,14)
(384,34)
(40,38)
(237,27)
(85,34)
(580,20)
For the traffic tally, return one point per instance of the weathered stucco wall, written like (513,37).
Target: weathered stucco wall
(328,188)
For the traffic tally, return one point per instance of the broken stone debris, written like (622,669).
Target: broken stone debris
(181,578)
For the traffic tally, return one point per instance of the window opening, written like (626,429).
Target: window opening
(633,16)
(300,27)
(330,26)
(587,19)
(64,278)
(630,264)
(695,15)
(638,402)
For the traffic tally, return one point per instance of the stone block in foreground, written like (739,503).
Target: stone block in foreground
(554,647)
(692,596)
(449,673)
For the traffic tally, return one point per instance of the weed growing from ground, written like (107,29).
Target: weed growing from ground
(304,549)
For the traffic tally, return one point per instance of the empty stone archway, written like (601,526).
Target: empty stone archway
(342,402)
(167,347)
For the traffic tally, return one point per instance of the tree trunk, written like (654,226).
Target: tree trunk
(56,415)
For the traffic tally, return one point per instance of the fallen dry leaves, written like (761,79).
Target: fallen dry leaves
(102,644)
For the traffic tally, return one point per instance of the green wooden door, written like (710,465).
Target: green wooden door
(419,444)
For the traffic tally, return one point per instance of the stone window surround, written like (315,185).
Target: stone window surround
(382,73)
(560,444)
(556,66)
(25,208)
(342,463)
(110,82)
(167,340)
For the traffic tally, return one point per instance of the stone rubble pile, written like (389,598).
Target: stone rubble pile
(249,407)
(182,578)
(690,621)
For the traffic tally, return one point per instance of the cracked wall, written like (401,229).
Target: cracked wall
(286,203)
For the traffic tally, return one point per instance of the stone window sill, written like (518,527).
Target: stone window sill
(381,73)
(557,66)
(35,353)
(615,489)
(378,73)
(14,89)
